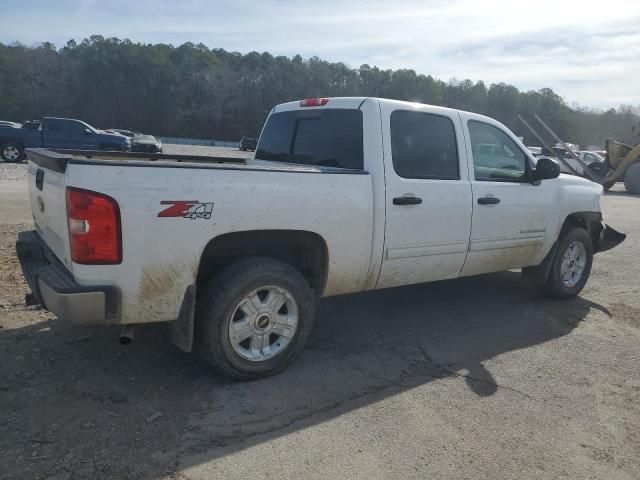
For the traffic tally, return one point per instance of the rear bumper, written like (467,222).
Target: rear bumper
(55,289)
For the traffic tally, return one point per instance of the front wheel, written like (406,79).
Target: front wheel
(12,152)
(254,318)
(571,265)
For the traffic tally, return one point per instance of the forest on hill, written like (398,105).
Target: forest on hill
(194,91)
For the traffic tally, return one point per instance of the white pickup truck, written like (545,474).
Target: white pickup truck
(344,195)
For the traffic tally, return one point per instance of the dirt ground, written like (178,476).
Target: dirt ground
(472,378)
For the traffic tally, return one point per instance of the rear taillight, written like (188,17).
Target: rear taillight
(314,102)
(94,227)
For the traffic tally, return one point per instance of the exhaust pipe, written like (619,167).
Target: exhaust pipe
(126,335)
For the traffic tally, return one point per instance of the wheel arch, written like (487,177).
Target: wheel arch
(589,221)
(303,250)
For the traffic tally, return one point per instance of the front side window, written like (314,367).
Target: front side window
(423,145)
(327,137)
(496,157)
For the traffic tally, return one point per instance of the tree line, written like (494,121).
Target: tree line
(194,91)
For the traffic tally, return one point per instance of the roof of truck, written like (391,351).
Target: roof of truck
(357,102)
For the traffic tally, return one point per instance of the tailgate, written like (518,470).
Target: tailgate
(47,192)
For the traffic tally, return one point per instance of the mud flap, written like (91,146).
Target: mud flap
(609,238)
(538,274)
(181,330)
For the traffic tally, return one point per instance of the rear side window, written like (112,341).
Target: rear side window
(327,137)
(423,145)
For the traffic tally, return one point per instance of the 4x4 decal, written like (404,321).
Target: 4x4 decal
(192,209)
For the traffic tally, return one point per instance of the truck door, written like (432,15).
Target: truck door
(54,133)
(428,195)
(510,213)
(66,133)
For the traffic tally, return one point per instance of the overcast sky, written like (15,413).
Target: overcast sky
(587,51)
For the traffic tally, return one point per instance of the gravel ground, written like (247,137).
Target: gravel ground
(472,378)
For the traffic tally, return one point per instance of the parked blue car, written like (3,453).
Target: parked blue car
(62,133)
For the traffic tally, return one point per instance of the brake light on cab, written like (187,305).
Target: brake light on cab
(314,102)
(94,227)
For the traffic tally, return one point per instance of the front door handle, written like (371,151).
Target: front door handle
(407,201)
(488,201)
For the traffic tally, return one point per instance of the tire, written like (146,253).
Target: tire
(239,295)
(632,179)
(12,152)
(575,254)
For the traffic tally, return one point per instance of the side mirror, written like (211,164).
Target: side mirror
(87,131)
(546,168)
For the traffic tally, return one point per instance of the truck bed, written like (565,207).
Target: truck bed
(58,159)
(162,246)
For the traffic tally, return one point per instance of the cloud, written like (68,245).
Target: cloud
(586,51)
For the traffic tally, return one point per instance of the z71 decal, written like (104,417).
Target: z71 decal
(192,209)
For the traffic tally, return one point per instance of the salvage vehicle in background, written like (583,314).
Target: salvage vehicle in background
(344,195)
(53,132)
(140,142)
(594,161)
(247,143)
(590,157)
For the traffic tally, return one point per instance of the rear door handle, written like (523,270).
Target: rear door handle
(407,201)
(488,200)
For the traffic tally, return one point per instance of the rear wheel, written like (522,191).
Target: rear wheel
(254,318)
(571,266)
(12,152)
(632,179)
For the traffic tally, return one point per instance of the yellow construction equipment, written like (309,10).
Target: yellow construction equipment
(623,162)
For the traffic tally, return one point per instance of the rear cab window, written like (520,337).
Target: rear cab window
(324,137)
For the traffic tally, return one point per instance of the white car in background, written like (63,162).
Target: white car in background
(590,157)
(596,162)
